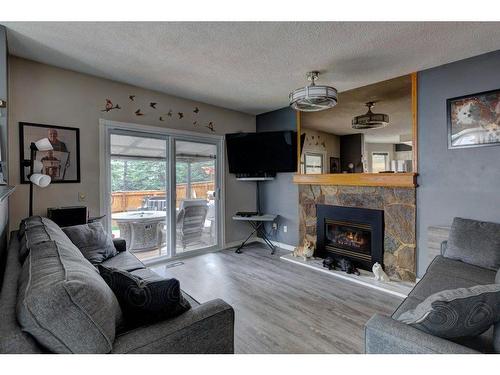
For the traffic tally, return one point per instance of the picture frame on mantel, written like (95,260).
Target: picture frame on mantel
(474,120)
(62,163)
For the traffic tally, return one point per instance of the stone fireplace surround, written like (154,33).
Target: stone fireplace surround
(398,205)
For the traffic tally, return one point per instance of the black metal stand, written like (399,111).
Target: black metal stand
(32,162)
(258,227)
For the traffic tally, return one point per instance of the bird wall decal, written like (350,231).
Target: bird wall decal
(195,123)
(211,126)
(109,106)
(161,118)
(196,110)
(131,97)
(181,115)
(153,105)
(169,114)
(139,113)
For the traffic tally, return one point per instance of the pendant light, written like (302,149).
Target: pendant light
(370,120)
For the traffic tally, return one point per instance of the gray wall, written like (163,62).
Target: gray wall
(280,196)
(460,182)
(4,206)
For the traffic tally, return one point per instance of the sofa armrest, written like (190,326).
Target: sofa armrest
(384,335)
(120,244)
(207,328)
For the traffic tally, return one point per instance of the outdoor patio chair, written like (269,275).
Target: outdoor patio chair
(190,221)
(156,203)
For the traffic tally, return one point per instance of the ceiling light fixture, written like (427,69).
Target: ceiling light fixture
(314,97)
(370,120)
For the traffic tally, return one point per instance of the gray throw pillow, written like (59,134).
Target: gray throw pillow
(95,244)
(474,242)
(463,312)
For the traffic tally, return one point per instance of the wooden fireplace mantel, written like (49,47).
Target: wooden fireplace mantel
(408,180)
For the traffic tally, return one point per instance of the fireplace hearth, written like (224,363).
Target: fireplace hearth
(356,234)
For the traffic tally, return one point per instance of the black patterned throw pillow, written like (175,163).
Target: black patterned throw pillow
(457,313)
(144,301)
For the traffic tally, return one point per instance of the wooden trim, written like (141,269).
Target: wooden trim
(414,118)
(408,180)
(299,130)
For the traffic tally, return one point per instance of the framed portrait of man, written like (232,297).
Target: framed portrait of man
(62,163)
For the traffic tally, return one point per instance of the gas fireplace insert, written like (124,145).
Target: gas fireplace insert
(356,234)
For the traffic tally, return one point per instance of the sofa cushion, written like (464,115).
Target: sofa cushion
(32,237)
(125,261)
(28,222)
(496,331)
(95,244)
(474,242)
(444,273)
(145,300)
(463,312)
(409,303)
(64,303)
(38,229)
(148,275)
(496,338)
(12,339)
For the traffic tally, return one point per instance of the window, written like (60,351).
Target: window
(313,163)
(380,162)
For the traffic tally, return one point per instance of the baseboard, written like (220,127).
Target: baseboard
(190,254)
(281,245)
(226,246)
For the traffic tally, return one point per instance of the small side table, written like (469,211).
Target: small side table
(257,223)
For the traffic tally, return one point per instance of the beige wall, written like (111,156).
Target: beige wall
(325,143)
(48,95)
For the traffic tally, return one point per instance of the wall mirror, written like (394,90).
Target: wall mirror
(332,145)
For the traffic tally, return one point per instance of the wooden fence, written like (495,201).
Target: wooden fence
(133,200)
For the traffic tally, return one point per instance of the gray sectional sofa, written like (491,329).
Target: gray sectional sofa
(205,328)
(385,334)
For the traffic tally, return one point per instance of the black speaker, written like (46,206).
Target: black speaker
(68,216)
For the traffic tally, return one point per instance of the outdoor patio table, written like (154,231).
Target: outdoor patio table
(140,229)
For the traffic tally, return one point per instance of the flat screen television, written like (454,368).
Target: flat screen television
(262,154)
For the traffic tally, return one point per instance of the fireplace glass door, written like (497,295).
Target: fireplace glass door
(353,238)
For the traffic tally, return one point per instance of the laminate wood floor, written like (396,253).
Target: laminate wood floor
(281,307)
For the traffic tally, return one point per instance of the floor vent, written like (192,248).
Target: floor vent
(175,264)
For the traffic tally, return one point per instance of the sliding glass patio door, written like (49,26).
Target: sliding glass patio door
(139,204)
(163,191)
(196,195)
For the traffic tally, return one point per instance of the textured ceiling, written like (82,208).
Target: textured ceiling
(249,67)
(392,97)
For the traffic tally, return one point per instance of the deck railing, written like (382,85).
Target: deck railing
(133,200)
